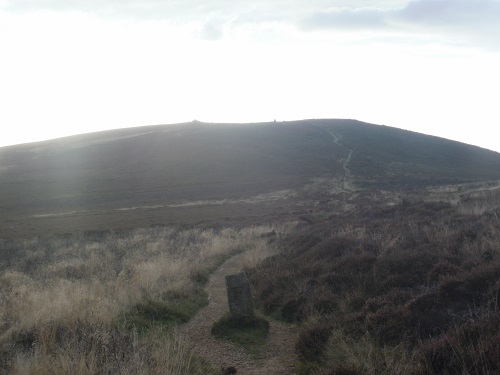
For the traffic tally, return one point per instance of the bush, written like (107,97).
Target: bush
(311,342)
(428,316)
(329,249)
(472,348)
(469,288)
(440,269)
(389,325)
(404,269)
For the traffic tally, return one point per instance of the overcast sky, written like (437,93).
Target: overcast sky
(76,66)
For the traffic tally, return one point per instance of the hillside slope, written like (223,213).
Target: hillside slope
(103,180)
(191,161)
(385,155)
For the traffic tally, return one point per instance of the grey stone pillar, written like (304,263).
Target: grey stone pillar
(239,296)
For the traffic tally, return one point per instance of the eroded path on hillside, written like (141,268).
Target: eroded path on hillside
(346,165)
(278,357)
(336,140)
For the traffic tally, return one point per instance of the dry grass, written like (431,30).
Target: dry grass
(365,356)
(469,199)
(103,350)
(64,299)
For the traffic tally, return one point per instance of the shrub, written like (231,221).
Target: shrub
(471,348)
(393,297)
(389,324)
(311,342)
(356,263)
(329,249)
(469,288)
(326,305)
(442,268)
(303,242)
(428,316)
(404,269)
(416,278)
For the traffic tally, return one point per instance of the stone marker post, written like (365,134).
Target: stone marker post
(239,296)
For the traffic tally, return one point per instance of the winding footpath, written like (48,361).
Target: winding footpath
(336,140)
(278,357)
(345,165)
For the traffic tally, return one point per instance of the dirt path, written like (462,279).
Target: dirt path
(336,140)
(345,165)
(279,357)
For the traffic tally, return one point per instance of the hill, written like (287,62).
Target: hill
(369,250)
(198,172)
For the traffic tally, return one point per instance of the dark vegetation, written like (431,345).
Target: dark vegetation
(248,332)
(392,288)
(143,176)
(386,156)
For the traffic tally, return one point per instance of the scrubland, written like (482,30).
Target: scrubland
(377,282)
(105,302)
(401,282)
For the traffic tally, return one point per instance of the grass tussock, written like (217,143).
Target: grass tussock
(85,348)
(104,302)
(394,286)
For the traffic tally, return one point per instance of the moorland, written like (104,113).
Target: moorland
(370,250)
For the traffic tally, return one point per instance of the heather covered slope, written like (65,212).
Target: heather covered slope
(191,161)
(204,172)
(185,173)
(384,155)
(393,284)
(354,244)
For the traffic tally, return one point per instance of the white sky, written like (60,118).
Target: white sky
(76,66)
